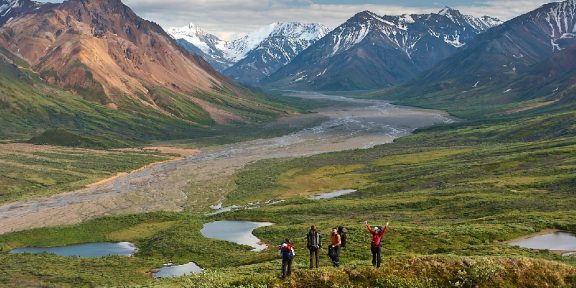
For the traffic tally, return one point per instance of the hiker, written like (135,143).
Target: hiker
(287,252)
(334,248)
(342,232)
(376,246)
(314,244)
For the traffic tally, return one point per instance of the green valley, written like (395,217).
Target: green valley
(452,193)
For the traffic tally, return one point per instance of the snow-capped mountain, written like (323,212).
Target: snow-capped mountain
(513,47)
(529,59)
(10,9)
(478,24)
(208,46)
(284,42)
(265,49)
(239,48)
(371,51)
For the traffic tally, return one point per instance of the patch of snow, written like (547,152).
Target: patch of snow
(299,79)
(453,40)
(491,21)
(407,19)
(555,46)
(322,73)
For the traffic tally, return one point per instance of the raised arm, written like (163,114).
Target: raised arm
(385,230)
(368,227)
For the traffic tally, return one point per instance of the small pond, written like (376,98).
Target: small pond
(85,250)
(554,241)
(239,232)
(332,194)
(178,270)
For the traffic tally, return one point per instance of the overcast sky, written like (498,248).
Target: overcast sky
(229,18)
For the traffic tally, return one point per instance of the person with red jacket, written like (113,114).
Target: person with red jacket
(376,246)
(286,251)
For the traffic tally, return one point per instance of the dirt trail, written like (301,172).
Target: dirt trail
(167,186)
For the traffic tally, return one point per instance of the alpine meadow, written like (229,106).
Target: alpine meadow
(319,143)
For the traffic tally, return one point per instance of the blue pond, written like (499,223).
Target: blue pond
(239,232)
(556,241)
(178,270)
(90,250)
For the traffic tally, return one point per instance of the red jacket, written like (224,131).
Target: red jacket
(377,237)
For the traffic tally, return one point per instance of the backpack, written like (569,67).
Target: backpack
(314,239)
(342,231)
(287,251)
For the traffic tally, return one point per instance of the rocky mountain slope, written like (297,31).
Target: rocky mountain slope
(370,51)
(30,107)
(104,52)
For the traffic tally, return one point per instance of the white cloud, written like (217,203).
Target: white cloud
(504,9)
(226,18)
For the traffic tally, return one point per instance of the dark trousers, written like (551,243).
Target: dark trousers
(334,253)
(376,255)
(286,266)
(314,257)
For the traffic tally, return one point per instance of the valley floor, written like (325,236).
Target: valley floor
(198,181)
(453,194)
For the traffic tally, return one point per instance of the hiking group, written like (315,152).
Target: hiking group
(337,242)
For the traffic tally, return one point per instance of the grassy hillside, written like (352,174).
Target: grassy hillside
(30,108)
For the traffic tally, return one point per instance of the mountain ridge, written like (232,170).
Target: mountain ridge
(285,42)
(503,67)
(103,53)
(370,51)
(253,56)
(106,53)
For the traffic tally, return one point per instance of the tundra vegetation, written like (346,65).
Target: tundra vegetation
(453,195)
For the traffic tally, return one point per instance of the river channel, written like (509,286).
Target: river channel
(353,124)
